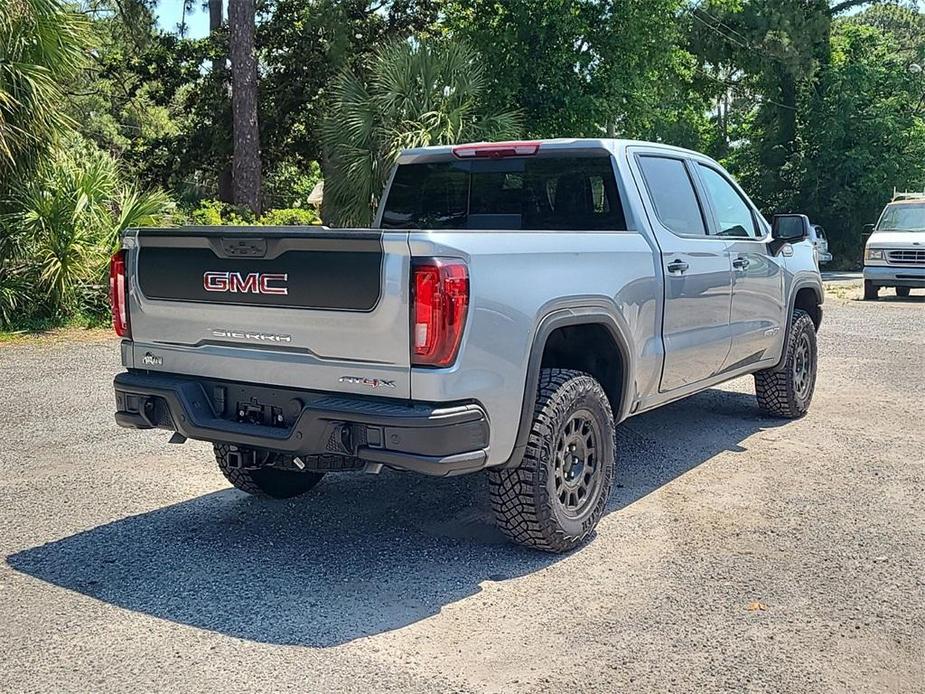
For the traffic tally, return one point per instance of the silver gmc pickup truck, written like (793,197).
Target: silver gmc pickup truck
(512,304)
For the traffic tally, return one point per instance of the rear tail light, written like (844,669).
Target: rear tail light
(118,295)
(496,150)
(440,302)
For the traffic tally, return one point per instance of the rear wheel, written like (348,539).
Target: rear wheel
(902,291)
(871,290)
(554,499)
(259,477)
(787,391)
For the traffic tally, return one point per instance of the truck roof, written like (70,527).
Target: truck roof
(614,145)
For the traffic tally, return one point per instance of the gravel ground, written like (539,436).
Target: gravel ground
(740,553)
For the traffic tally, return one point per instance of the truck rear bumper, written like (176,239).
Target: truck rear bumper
(427,438)
(895,276)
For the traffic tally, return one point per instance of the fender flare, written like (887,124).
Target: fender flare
(791,305)
(597,313)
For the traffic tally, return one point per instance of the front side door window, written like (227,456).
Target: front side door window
(734,217)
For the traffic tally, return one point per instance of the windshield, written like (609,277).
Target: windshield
(570,192)
(904,217)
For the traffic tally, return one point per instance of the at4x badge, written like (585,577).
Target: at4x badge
(370,382)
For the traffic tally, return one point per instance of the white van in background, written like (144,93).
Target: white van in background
(895,252)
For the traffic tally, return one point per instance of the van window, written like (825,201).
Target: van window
(903,216)
(567,192)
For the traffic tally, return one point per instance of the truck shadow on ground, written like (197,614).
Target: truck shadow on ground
(361,555)
(893,299)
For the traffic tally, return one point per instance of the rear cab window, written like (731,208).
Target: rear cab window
(555,191)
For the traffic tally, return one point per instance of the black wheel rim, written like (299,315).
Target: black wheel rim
(577,465)
(803,367)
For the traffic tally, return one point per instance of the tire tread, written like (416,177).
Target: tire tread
(518,496)
(774,388)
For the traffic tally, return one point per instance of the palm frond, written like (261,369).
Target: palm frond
(411,94)
(139,209)
(43,45)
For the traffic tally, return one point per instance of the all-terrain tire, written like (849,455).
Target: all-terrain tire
(902,292)
(265,482)
(528,500)
(787,391)
(871,290)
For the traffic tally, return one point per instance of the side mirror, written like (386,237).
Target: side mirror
(869,228)
(790,228)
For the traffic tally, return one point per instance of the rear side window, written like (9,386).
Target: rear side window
(568,193)
(672,193)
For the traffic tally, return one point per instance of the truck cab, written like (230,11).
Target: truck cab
(894,255)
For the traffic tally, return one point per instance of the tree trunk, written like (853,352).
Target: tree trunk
(220,73)
(246,160)
(215,15)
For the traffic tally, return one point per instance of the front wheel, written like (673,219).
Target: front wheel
(266,480)
(902,292)
(787,391)
(554,499)
(871,290)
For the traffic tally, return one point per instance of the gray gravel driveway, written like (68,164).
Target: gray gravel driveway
(740,553)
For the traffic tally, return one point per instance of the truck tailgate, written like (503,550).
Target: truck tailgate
(316,309)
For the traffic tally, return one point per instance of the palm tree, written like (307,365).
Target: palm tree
(412,94)
(43,46)
(70,216)
(246,169)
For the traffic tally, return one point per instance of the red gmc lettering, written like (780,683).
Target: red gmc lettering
(266,288)
(243,285)
(252,283)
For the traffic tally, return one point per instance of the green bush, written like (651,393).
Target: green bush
(215,213)
(288,186)
(290,216)
(61,227)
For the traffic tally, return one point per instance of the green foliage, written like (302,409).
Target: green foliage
(577,69)
(290,216)
(816,105)
(410,95)
(863,132)
(216,213)
(303,46)
(42,49)
(289,185)
(65,223)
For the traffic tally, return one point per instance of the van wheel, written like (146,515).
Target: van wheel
(871,290)
(902,292)
(787,391)
(263,481)
(554,499)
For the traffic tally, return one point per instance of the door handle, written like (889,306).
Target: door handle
(678,267)
(741,263)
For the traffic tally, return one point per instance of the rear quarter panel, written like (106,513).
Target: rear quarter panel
(516,279)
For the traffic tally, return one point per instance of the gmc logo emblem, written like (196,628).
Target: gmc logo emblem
(253,283)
